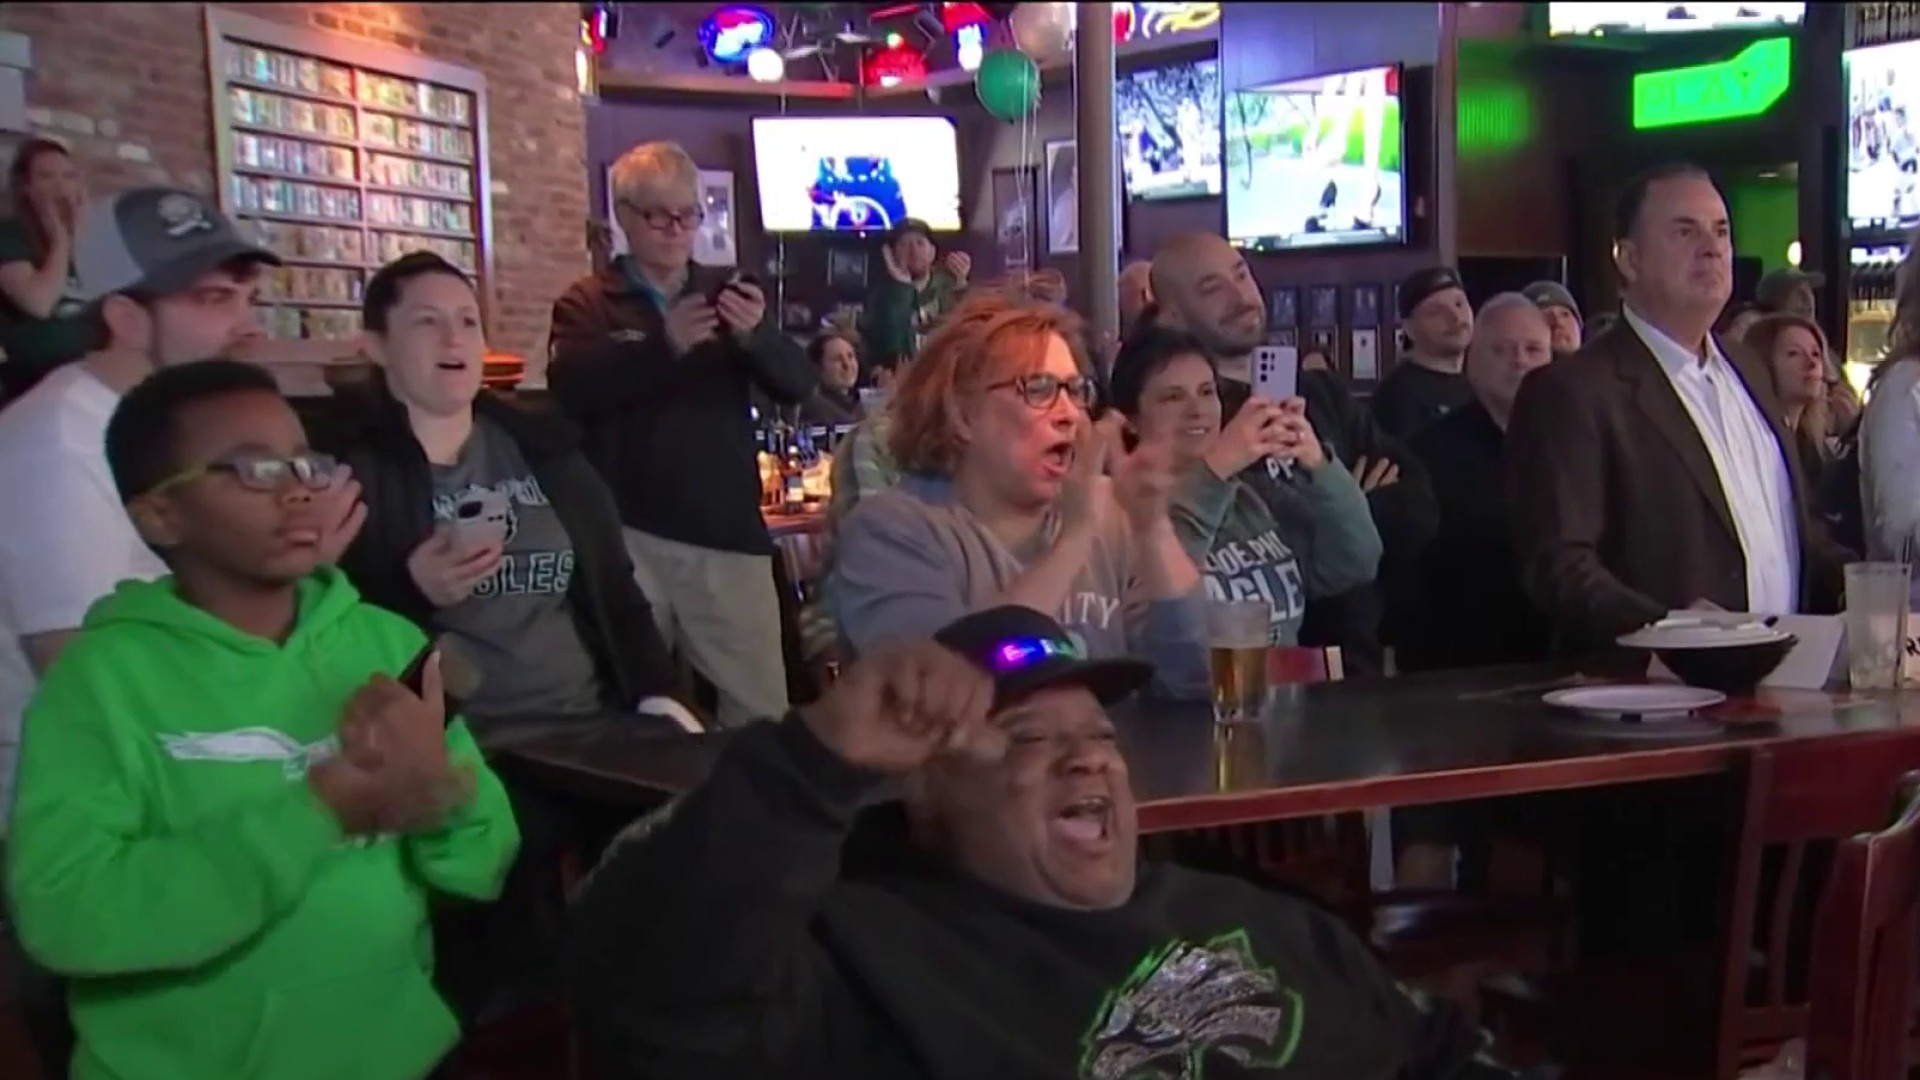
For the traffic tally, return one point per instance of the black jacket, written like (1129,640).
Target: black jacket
(674,437)
(1360,619)
(741,937)
(1472,608)
(368,431)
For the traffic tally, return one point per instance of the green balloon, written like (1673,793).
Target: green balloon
(1008,83)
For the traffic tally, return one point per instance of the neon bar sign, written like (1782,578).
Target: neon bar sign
(1746,85)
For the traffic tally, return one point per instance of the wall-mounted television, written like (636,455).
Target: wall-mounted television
(1169,122)
(856,173)
(1317,162)
(1883,137)
(1598,19)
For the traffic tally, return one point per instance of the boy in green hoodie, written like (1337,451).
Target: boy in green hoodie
(229,812)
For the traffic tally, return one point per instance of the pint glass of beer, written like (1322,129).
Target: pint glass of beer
(1237,658)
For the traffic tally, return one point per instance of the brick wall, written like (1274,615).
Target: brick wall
(125,85)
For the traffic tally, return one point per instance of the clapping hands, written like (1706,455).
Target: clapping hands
(392,774)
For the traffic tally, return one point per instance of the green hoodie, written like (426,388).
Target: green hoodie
(898,316)
(169,858)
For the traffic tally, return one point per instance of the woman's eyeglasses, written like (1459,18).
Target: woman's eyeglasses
(1042,390)
(260,472)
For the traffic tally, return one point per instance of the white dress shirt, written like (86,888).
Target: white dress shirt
(1749,460)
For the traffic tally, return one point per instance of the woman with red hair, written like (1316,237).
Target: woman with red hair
(1011,495)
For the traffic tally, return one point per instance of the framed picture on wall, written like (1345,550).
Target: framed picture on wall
(1062,159)
(1363,305)
(847,269)
(1015,217)
(713,241)
(1283,307)
(1323,306)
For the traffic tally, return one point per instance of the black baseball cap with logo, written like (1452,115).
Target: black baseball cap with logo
(1026,651)
(156,241)
(908,227)
(1421,284)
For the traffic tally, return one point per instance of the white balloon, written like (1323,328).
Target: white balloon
(1044,31)
(765,65)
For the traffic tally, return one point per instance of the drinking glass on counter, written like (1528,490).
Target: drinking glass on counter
(1237,658)
(1876,621)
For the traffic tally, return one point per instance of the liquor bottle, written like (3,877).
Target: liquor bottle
(793,477)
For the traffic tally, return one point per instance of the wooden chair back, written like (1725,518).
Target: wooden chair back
(1799,804)
(1864,962)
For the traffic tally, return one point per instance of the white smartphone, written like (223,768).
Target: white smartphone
(481,520)
(1276,372)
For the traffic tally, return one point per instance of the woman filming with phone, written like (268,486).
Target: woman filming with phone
(1262,508)
(488,528)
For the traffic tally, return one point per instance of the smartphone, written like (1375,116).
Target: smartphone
(482,519)
(738,278)
(458,677)
(1276,372)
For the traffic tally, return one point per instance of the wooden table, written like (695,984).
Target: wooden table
(1330,748)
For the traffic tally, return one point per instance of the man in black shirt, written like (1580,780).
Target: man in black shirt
(1426,384)
(997,923)
(1474,610)
(657,358)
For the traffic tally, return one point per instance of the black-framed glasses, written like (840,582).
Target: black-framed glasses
(1041,390)
(260,472)
(662,220)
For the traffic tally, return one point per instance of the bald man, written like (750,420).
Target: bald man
(1136,292)
(1203,286)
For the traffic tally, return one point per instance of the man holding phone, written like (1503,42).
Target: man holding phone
(657,359)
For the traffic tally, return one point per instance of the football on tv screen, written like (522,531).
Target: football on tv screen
(1883,154)
(1169,121)
(856,173)
(1316,162)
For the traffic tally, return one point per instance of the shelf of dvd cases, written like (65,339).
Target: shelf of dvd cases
(342,156)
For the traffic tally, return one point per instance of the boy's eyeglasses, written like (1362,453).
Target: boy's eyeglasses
(259,472)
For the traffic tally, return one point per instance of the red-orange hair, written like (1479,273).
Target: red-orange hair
(994,335)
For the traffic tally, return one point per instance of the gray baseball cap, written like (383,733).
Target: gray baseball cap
(155,240)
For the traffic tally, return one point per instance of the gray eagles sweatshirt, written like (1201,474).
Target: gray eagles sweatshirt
(1282,539)
(910,560)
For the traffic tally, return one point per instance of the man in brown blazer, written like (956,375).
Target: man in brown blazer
(1645,473)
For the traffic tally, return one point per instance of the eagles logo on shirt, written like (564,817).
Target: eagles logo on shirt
(1185,1004)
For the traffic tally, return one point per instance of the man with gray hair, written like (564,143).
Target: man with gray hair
(657,359)
(1473,608)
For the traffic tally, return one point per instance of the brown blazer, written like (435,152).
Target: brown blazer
(1617,513)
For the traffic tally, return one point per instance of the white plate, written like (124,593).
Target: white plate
(1645,703)
(1702,636)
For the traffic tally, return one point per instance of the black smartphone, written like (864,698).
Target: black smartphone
(458,677)
(737,279)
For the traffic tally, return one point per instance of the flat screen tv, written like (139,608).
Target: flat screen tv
(1597,19)
(1883,120)
(1317,162)
(1169,121)
(856,173)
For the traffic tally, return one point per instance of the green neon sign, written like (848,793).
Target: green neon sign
(1746,85)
